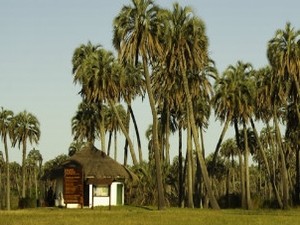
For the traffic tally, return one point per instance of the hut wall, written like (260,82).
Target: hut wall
(117,195)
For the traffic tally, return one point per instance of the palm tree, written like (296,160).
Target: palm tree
(136,33)
(234,103)
(84,59)
(263,112)
(284,56)
(25,127)
(85,122)
(5,126)
(115,81)
(186,53)
(101,77)
(36,158)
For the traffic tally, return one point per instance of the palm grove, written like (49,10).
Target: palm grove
(163,55)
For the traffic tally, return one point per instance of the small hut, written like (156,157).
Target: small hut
(91,178)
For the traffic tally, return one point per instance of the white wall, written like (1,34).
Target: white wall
(59,190)
(104,201)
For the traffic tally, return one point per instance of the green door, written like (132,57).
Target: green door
(119,194)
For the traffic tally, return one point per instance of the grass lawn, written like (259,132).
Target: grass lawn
(134,216)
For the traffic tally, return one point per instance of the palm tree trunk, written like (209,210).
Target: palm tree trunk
(284,172)
(205,175)
(297,166)
(125,153)
(115,145)
(126,142)
(102,130)
(7,175)
(36,183)
(160,189)
(233,174)
(189,159)
(123,128)
(297,185)
(180,171)
(242,174)
(242,181)
(109,143)
(24,169)
(137,134)
(29,172)
(2,189)
(247,176)
(162,139)
(167,129)
(228,187)
(198,173)
(225,128)
(198,186)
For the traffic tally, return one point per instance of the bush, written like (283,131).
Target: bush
(27,203)
(271,204)
(230,201)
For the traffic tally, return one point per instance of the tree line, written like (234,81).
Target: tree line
(164,53)
(18,129)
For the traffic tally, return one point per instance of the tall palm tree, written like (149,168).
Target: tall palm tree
(169,97)
(186,52)
(101,78)
(234,102)
(115,78)
(284,56)
(136,34)
(25,127)
(84,59)
(263,112)
(5,126)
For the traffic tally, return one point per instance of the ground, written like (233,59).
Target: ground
(148,216)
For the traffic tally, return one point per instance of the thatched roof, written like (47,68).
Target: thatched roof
(98,166)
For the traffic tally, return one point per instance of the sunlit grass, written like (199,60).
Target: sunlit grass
(147,216)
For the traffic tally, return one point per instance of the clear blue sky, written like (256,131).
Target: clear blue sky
(37,40)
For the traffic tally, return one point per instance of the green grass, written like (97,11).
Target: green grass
(138,216)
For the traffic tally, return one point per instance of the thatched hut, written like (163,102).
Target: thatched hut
(91,178)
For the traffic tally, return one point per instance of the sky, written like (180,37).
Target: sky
(38,38)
